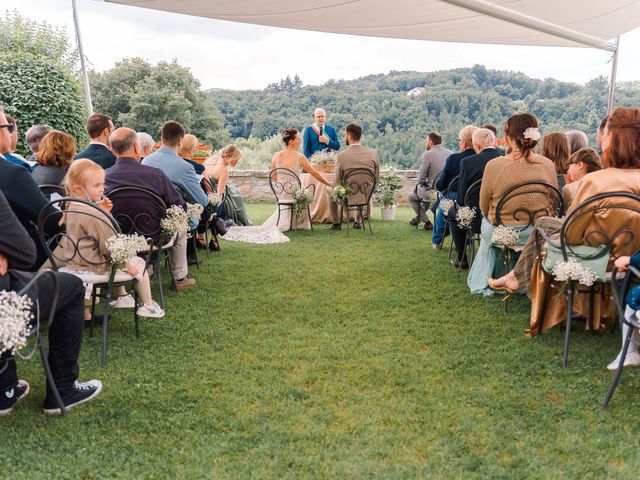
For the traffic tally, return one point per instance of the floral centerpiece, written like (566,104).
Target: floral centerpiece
(302,198)
(323,161)
(15,320)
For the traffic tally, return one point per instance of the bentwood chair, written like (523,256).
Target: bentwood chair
(361,182)
(48,189)
(448,220)
(620,211)
(42,326)
(472,237)
(101,284)
(620,285)
(519,207)
(150,210)
(210,233)
(194,231)
(284,184)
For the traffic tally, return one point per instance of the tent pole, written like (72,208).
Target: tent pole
(497,11)
(612,81)
(83,66)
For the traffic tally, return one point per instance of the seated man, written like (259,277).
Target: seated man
(449,173)
(128,172)
(354,156)
(34,136)
(471,170)
(180,173)
(9,149)
(24,197)
(431,164)
(99,127)
(17,250)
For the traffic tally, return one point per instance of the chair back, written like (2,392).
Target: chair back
(453,186)
(183,192)
(611,219)
(138,210)
(472,195)
(75,212)
(284,183)
(362,183)
(525,202)
(47,189)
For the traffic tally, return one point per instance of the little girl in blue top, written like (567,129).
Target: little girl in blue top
(632,358)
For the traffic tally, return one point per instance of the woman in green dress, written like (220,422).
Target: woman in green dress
(217,171)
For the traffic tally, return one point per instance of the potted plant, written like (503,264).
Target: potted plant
(387,193)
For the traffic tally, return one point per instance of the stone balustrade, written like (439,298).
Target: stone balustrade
(254,184)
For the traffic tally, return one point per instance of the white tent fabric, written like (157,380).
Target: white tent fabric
(573,23)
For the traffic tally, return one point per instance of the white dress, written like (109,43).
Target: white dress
(271,230)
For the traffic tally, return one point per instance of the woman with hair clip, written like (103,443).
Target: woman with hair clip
(621,173)
(520,165)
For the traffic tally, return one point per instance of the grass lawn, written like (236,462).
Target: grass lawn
(333,357)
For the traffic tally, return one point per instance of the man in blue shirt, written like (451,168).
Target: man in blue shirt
(320,136)
(180,173)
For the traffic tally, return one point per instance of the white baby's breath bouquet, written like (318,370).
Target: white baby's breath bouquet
(176,221)
(431,196)
(302,198)
(123,248)
(194,210)
(445,205)
(213,199)
(465,217)
(573,270)
(504,236)
(15,319)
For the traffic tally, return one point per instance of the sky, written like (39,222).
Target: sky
(239,56)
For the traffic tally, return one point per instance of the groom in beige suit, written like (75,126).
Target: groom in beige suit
(354,156)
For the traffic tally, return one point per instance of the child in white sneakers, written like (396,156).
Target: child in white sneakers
(85,180)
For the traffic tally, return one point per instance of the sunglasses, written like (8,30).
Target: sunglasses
(9,126)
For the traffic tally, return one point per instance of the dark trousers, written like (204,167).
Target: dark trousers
(459,236)
(65,333)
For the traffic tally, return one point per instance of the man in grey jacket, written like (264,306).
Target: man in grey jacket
(431,164)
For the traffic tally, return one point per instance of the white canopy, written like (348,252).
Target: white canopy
(573,23)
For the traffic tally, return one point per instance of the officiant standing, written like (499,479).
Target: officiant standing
(320,136)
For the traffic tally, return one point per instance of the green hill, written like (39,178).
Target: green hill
(396,123)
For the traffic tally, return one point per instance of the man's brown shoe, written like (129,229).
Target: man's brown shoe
(428,226)
(182,284)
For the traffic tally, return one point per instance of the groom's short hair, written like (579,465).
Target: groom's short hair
(171,133)
(355,131)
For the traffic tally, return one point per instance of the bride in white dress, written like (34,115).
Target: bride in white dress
(280,221)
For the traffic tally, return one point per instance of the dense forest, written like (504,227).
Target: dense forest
(396,123)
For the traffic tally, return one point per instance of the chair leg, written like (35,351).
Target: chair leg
(450,248)
(567,332)
(105,324)
(592,298)
(93,310)
(505,262)
(170,264)
(616,379)
(158,275)
(47,371)
(194,243)
(309,214)
(135,312)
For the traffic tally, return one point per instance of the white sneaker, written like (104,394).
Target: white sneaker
(125,301)
(152,311)
(437,246)
(632,360)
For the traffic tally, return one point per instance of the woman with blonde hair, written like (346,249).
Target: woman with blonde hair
(55,154)
(555,146)
(188,150)
(216,169)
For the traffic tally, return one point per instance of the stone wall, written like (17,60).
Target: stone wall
(254,184)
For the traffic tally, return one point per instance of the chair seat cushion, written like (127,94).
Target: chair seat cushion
(92,277)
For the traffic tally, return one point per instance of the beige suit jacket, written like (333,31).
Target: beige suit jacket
(357,156)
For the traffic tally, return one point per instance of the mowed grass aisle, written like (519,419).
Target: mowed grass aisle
(333,357)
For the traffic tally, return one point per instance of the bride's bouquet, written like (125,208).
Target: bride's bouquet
(302,198)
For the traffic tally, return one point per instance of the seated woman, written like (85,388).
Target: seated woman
(187,152)
(621,159)
(85,180)
(55,154)
(584,161)
(555,146)
(521,165)
(577,140)
(217,171)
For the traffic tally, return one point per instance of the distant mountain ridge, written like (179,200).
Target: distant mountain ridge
(396,123)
